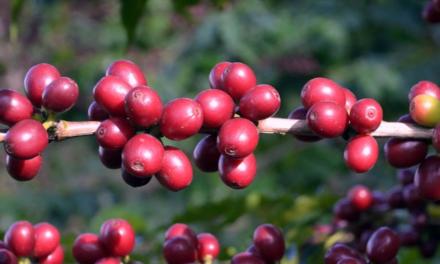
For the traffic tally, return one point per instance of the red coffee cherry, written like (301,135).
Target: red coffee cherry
(427,178)
(404,153)
(345,210)
(322,90)
(237,79)
(254,251)
(269,241)
(246,258)
(360,197)
(383,245)
(366,115)
(412,197)
(237,173)
(143,106)
(206,154)
(142,155)
(259,103)
(134,181)
(60,95)
(14,107)
(47,239)
(181,119)
(128,71)
(55,257)
(113,133)
(215,75)
(431,13)
(361,153)
(179,250)
(182,230)
(176,173)
(7,257)
(117,236)
(109,261)
(97,112)
(237,138)
(26,139)
(338,252)
(424,87)
(110,93)
(23,169)
(209,247)
(218,107)
(350,99)
(111,158)
(19,238)
(327,119)
(87,249)
(349,260)
(37,78)
(300,113)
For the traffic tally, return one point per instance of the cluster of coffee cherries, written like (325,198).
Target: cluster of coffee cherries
(113,245)
(431,12)
(47,93)
(38,243)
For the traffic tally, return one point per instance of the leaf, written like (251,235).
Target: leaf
(131,13)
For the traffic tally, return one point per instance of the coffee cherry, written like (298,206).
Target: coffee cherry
(237,79)
(14,107)
(206,154)
(350,260)
(111,158)
(96,112)
(26,139)
(327,119)
(237,173)
(237,138)
(261,102)
(404,153)
(436,138)
(350,99)
(428,248)
(412,197)
(269,242)
(60,95)
(37,78)
(19,238)
(47,239)
(87,249)
(424,87)
(55,257)
(179,250)
(128,71)
(215,75)
(425,110)
(254,251)
(134,181)
(360,197)
(322,90)
(182,230)
(431,12)
(113,133)
(23,169)
(300,113)
(110,93)
(361,153)
(427,178)
(117,237)
(383,245)
(181,119)
(339,251)
(395,197)
(176,173)
(406,119)
(345,210)
(419,219)
(143,106)
(218,107)
(366,115)
(409,237)
(142,155)
(208,248)
(406,176)
(246,258)
(7,257)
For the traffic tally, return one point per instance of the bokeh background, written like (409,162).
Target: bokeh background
(377,48)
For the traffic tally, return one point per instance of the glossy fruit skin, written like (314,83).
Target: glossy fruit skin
(206,154)
(237,173)
(110,158)
(109,261)
(143,106)
(179,250)
(360,197)
(327,119)
(404,153)
(23,169)
(134,181)
(427,178)
(237,79)
(345,210)
(7,257)
(182,230)
(14,107)
(322,90)
(339,251)
(128,71)
(269,242)
(246,258)
(259,103)
(215,75)
(19,238)
(114,133)
(26,139)
(37,78)
(208,248)
(237,138)
(55,257)
(47,239)
(60,95)
(117,237)
(217,106)
(142,155)
(366,115)
(350,99)
(383,245)
(96,112)
(176,173)
(87,249)
(181,119)
(361,153)
(425,110)
(301,113)
(110,93)
(424,87)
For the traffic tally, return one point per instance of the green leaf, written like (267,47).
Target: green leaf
(131,13)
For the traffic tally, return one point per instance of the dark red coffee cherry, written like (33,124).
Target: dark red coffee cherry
(409,237)
(215,75)
(361,153)
(182,230)
(395,197)
(206,154)
(23,169)
(366,115)
(345,210)
(261,102)
(181,119)
(60,95)
(424,87)
(111,158)
(14,107)
(301,113)
(97,112)
(350,99)
(26,139)
(254,251)
(208,248)
(431,13)
(176,173)
(339,251)
(117,236)
(179,250)
(237,173)
(428,248)
(218,107)
(142,155)
(327,119)
(360,197)
(109,261)
(55,257)
(19,238)
(37,78)
(246,258)
(406,176)
(134,181)
(269,241)
(143,106)
(237,79)
(128,72)
(404,153)
(412,197)
(47,239)
(427,178)
(110,93)
(87,249)
(7,257)
(237,138)
(383,245)
(322,90)
(113,133)
(349,260)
